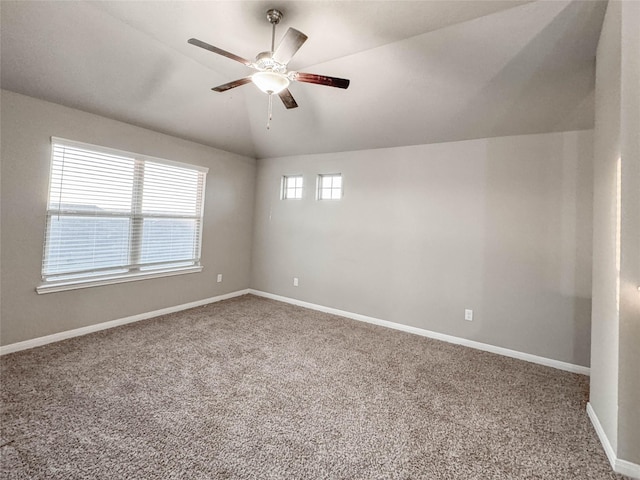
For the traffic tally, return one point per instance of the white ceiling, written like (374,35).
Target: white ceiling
(420,71)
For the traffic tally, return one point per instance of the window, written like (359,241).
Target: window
(330,187)
(115,216)
(292,187)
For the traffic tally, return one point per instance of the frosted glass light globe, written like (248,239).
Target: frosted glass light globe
(270,82)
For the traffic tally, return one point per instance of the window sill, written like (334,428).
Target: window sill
(61,286)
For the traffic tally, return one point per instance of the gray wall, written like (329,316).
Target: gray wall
(500,225)
(27,125)
(629,367)
(605,332)
(615,344)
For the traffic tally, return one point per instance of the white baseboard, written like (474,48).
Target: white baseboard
(623,467)
(604,440)
(627,468)
(569,367)
(56,337)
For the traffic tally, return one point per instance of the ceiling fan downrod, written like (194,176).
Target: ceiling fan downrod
(274,16)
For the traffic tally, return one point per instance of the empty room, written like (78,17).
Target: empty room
(320,239)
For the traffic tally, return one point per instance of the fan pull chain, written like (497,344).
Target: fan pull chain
(270,111)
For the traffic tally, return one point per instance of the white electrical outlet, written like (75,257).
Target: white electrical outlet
(468,315)
(219,278)
(295,281)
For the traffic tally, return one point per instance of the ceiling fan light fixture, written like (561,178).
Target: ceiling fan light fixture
(272,75)
(270,82)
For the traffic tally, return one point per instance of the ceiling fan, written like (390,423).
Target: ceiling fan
(272,76)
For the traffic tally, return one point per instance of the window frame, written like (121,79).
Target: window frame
(319,186)
(136,217)
(285,187)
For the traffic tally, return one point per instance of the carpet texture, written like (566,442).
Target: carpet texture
(250,388)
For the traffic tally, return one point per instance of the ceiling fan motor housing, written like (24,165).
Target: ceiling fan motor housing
(265,62)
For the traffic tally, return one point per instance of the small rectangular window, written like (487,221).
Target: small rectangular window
(113,216)
(292,187)
(330,186)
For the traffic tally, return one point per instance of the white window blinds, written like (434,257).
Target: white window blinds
(113,214)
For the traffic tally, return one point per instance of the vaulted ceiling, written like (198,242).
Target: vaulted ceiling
(421,71)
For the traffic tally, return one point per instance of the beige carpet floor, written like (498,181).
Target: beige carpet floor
(250,388)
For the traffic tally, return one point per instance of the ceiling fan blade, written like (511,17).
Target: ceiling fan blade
(289,45)
(230,85)
(219,51)
(287,99)
(321,80)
